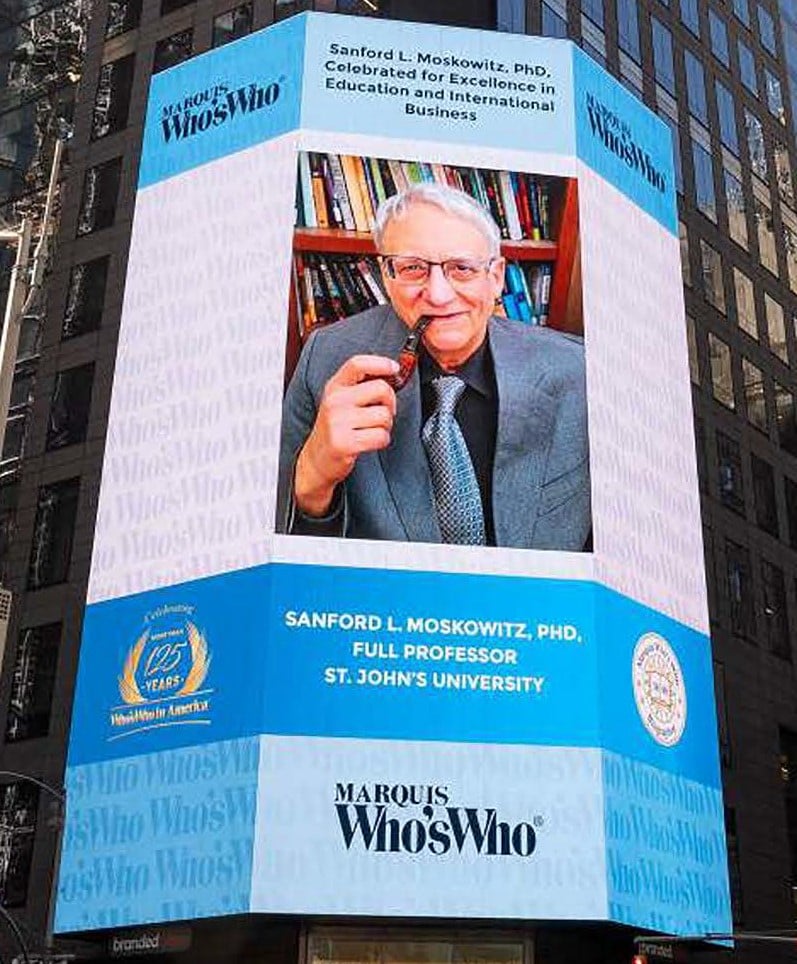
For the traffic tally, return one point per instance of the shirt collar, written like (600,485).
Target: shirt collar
(475,372)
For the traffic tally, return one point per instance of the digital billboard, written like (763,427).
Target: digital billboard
(396,604)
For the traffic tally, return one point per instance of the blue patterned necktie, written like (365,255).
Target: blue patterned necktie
(456,490)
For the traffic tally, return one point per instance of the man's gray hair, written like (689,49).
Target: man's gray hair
(448,199)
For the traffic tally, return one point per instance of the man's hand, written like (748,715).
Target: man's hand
(355,416)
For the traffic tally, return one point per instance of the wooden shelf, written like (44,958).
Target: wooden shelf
(337,241)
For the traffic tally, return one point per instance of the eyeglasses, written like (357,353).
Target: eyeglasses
(409,270)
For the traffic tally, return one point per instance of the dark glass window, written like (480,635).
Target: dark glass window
(774,96)
(112,97)
(594,10)
(553,25)
(734,865)
(740,589)
(9,494)
(69,411)
(19,803)
(745,303)
(784,412)
(737,216)
(21,390)
(742,11)
(729,474)
(723,729)
(169,6)
(172,50)
(727,117)
(232,24)
(628,27)
(662,56)
(719,37)
(695,87)
(754,395)
(32,682)
(689,16)
(747,68)
(85,298)
(705,195)
(755,144)
(14,437)
(790,491)
(766,30)
(123,15)
(53,532)
(776,618)
(783,173)
(676,150)
(721,371)
(100,190)
(713,284)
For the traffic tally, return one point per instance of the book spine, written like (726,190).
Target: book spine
(323,310)
(367,190)
(545,212)
(333,206)
(306,181)
(510,206)
(387,178)
(521,192)
(370,273)
(496,204)
(412,172)
(349,298)
(545,293)
(341,195)
(517,287)
(319,192)
(399,177)
(332,290)
(534,204)
(376,178)
(350,175)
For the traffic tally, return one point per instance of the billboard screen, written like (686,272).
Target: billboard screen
(356,647)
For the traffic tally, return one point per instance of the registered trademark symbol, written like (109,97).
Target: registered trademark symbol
(538,821)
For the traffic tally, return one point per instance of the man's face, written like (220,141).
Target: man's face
(459,311)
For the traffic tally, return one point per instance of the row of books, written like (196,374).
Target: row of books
(343,191)
(329,288)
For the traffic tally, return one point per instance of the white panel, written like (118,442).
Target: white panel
(301,863)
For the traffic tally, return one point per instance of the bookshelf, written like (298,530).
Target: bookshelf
(327,253)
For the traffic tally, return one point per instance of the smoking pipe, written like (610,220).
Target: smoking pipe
(408,356)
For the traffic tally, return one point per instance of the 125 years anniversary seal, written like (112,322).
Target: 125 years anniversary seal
(162,681)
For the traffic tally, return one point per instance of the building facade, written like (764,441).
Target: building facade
(721,75)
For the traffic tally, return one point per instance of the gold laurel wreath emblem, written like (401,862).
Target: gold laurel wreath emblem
(128,687)
(200,661)
(200,664)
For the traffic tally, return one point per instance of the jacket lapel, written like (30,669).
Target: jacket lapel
(406,468)
(525,427)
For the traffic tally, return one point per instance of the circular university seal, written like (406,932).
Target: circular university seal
(659,689)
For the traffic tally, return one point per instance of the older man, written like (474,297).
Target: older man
(487,443)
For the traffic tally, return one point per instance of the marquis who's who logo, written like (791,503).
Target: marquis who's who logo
(162,681)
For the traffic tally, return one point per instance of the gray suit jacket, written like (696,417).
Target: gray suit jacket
(541,497)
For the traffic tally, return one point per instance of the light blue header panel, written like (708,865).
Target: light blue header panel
(623,141)
(439,84)
(354,75)
(222,102)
